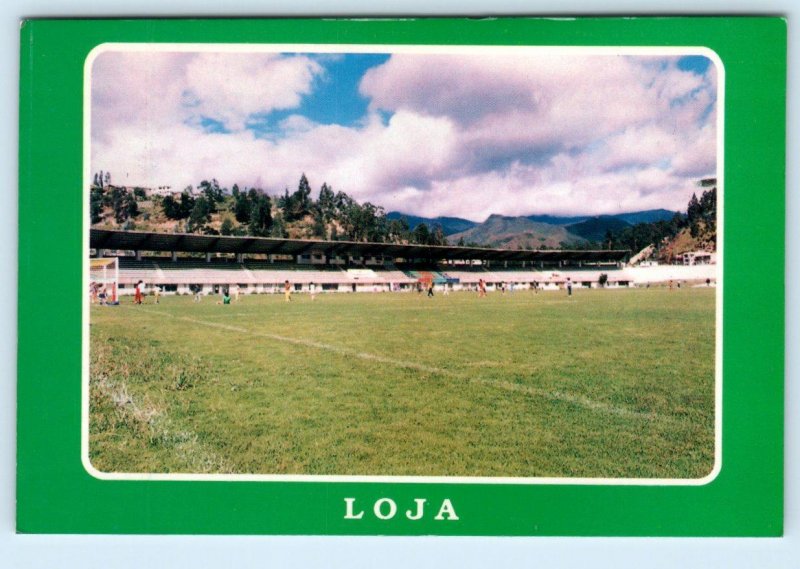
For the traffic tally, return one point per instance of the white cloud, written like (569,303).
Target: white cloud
(232,86)
(467,135)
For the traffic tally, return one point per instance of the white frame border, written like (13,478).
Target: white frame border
(390,49)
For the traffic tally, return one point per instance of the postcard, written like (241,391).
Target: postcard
(411,277)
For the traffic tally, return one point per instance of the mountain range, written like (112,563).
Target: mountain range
(535,231)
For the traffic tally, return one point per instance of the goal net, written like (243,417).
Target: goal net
(104,276)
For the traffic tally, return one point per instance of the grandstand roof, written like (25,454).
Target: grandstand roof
(150,241)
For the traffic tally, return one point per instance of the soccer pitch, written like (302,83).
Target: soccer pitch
(605,383)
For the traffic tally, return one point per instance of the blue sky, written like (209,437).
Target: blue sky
(429,134)
(334,99)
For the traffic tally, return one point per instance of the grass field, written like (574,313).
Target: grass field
(606,383)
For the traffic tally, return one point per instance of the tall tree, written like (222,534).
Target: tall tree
(437,236)
(398,231)
(118,204)
(187,203)
(96,202)
(326,202)
(708,210)
(242,206)
(303,195)
(172,209)
(130,205)
(261,216)
(421,234)
(694,213)
(200,215)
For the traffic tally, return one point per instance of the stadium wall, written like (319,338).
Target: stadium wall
(261,278)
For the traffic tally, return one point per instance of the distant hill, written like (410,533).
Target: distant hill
(557,220)
(595,228)
(647,216)
(449,225)
(515,233)
(535,231)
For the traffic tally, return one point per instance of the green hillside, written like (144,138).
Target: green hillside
(517,233)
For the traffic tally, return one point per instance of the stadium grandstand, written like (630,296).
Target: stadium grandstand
(186,263)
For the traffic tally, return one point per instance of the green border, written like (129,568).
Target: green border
(56,495)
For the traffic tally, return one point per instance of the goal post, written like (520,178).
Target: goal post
(104,272)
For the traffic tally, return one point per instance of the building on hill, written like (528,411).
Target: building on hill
(162,191)
(697,258)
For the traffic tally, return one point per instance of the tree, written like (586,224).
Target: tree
(421,234)
(286,204)
(139,193)
(130,205)
(278,227)
(694,213)
(200,215)
(708,210)
(397,231)
(242,205)
(212,192)
(118,204)
(96,204)
(326,203)
(303,196)
(298,205)
(171,208)
(187,203)
(227,226)
(318,229)
(261,216)
(437,236)
(602,279)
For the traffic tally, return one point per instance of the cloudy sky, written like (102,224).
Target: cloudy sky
(464,135)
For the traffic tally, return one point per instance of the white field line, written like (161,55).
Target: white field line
(579,400)
(188,448)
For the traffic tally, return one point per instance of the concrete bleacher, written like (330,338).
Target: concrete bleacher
(132,271)
(254,275)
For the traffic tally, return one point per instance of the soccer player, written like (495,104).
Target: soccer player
(312,289)
(569,286)
(137,298)
(287,291)
(430,288)
(157,293)
(481,288)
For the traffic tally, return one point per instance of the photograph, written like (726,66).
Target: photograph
(411,263)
